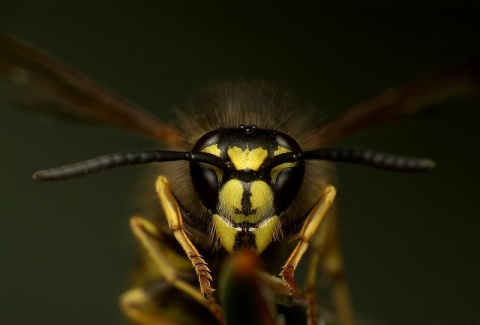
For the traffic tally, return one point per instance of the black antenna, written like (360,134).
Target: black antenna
(115,160)
(357,156)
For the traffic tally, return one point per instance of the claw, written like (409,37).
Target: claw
(287,277)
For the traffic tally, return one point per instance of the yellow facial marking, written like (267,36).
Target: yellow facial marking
(213,149)
(261,199)
(247,159)
(265,232)
(230,199)
(277,169)
(225,232)
(280,150)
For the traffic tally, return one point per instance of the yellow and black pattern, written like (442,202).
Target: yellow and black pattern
(244,123)
(244,209)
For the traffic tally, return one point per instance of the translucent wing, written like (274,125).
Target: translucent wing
(45,84)
(404,101)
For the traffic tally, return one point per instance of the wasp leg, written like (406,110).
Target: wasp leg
(159,303)
(309,229)
(148,236)
(333,267)
(318,245)
(174,218)
(327,253)
(133,304)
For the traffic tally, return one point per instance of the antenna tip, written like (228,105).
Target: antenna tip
(41,175)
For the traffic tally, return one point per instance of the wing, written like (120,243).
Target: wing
(45,84)
(404,101)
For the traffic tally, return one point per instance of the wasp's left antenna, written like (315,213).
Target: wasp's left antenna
(358,156)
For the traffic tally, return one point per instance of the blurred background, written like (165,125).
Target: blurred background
(410,241)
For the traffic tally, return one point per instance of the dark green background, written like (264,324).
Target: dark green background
(410,241)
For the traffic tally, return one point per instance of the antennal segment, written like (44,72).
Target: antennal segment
(358,156)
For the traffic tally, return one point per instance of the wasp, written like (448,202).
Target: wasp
(245,172)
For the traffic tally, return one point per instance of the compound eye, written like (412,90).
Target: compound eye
(287,184)
(205,182)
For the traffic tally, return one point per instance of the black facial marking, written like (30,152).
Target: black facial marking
(245,239)
(247,204)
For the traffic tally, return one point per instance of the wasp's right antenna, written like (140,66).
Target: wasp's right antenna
(115,160)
